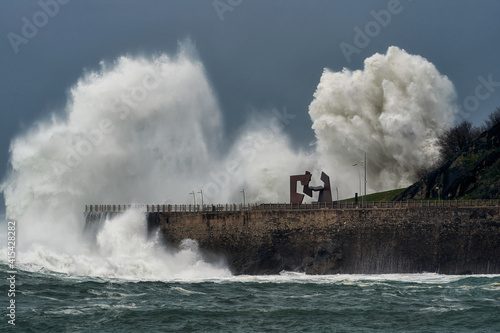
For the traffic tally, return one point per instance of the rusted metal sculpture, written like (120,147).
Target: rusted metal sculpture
(325,193)
(304,181)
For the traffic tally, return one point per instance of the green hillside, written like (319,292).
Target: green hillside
(474,173)
(380,196)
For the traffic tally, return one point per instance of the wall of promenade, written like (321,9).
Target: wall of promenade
(448,240)
(449,237)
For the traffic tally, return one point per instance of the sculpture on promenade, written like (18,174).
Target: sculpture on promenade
(325,194)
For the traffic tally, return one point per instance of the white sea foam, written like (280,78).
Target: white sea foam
(139,130)
(355,279)
(149,129)
(394,109)
(122,250)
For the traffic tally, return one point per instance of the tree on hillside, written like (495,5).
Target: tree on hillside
(423,171)
(453,140)
(493,119)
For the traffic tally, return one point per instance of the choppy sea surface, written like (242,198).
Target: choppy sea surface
(289,302)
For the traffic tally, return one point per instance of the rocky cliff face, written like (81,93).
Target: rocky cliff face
(445,240)
(473,174)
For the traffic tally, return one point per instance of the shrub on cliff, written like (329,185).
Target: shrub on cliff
(453,140)
(493,119)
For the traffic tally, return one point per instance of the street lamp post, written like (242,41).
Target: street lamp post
(337,189)
(365,178)
(359,178)
(201,192)
(194,197)
(363,198)
(243,191)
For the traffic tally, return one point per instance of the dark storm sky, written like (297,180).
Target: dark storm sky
(263,53)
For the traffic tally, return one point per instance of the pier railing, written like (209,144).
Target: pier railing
(287,206)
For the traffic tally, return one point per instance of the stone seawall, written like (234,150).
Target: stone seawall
(328,241)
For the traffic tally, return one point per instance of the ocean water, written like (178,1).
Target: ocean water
(117,278)
(289,302)
(150,130)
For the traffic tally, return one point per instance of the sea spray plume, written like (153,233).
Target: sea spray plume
(260,161)
(123,250)
(394,109)
(140,156)
(128,252)
(138,130)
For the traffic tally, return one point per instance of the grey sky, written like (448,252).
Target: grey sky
(262,54)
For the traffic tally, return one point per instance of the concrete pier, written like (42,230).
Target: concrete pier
(448,238)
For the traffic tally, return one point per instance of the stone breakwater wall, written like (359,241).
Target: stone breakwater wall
(329,241)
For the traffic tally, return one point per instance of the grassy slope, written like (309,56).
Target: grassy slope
(380,196)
